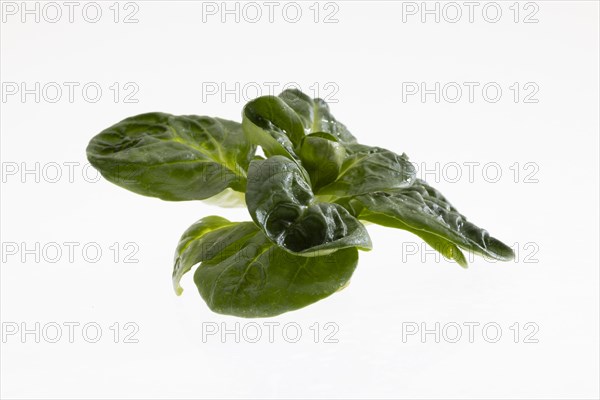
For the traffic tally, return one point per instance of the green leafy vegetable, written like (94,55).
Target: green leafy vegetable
(307,199)
(422,209)
(173,157)
(243,273)
(370,169)
(281,202)
(279,123)
(322,156)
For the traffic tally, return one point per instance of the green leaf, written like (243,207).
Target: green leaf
(270,123)
(443,246)
(279,123)
(228,198)
(424,211)
(173,157)
(316,116)
(370,169)
(322,156)
(438,243)
(198,243)
(282,203)
(243,273)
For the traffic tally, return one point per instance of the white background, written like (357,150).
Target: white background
(367,55)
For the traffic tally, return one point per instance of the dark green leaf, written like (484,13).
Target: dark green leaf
(243,273)
(369,169)
(278,123)
(270,123)
(198,243)
(322,156)
(424,211)
(281,202)
(173,157)
(316,116)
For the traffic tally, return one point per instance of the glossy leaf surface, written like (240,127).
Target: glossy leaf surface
(243,273)
(282,203)
(322,156)
(199,243)
(370,169)
(279,123)
(424,211)
(173,157)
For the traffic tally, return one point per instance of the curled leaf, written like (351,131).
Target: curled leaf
(243,273)
(281,202)
(279,123)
